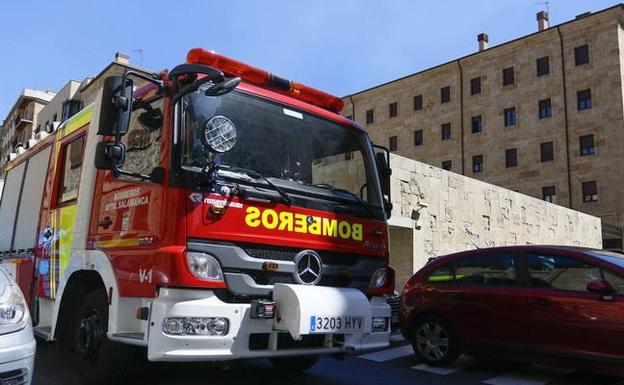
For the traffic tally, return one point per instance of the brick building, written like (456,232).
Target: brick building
(542,115)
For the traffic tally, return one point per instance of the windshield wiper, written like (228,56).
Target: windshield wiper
(361,201)
(256,176)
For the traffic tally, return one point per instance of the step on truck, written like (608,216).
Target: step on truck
(208,213)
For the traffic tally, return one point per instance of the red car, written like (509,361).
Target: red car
(546,304)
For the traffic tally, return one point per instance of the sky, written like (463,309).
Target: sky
(339,46)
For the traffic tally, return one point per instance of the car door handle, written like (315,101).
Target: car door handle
(541,302)
(105,223)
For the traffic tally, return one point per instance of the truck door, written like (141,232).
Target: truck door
(126,220)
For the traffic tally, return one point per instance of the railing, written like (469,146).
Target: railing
(611,231)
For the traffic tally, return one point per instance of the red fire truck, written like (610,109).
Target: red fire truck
(213,212)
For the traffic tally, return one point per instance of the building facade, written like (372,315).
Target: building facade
(19,125)
(542,115)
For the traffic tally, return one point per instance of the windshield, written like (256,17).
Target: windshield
(300,152)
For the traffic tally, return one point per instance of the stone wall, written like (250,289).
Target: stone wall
(441,212)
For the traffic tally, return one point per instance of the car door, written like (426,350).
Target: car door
(565,318)
(488,301)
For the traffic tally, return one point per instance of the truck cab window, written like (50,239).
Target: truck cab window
(72,165)
(143,138)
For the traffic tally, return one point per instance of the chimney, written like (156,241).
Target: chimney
(122,58)
(542,20)
(483,40)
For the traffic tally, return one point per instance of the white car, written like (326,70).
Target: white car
(17,342)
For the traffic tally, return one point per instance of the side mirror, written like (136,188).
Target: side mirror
(109,156)
(116,106)
(600,286)
(382,159)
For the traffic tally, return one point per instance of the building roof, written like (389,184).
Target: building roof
(579,17)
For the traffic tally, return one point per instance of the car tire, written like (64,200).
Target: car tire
(293,365)
(99,360)
(434,341)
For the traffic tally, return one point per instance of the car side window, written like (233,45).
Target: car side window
(143,138)
(616,281)
(490,269)
(442,274)
(562,273)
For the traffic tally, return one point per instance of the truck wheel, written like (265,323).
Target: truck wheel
(434,341)
(294,365)
(99,360)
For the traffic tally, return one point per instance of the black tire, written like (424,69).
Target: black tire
(294,365)
(99,361)
(434,341)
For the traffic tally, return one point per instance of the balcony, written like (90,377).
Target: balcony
(22,120)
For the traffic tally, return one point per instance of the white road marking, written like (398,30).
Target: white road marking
(462,363)
(532,375)
(389,354)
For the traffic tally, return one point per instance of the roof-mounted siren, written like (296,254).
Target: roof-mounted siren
(265,79)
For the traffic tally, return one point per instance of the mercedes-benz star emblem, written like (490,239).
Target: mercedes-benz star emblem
(308,267)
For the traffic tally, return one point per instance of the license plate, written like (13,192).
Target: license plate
(320,324)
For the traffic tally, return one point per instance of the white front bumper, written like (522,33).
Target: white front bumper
(17,353)
(236,344)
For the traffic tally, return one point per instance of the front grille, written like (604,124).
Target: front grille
(260,341)
(280,253)
(14,377)
(393,301)
(271,278)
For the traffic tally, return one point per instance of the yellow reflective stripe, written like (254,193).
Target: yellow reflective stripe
(117,243)
(75,122)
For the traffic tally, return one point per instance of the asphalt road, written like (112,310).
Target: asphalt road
(395,366)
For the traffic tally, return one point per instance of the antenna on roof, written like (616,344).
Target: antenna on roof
(546,3)
(140,52)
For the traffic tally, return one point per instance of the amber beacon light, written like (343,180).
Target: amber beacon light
(264,78)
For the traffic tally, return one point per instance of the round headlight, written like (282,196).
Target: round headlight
(220,134)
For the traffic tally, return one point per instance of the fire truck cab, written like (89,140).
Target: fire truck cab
(213,212)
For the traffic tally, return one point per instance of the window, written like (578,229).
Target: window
(587,145)
(477,163)
(447,165)
(72,165)
(581,55)
(446,131)
(143,138)
(590,191)
(543,66)
(616,281)
(350,117)
(547,152)
(70,108)
(549,194)
(475,86)
(560,273)
(511,157)
(54,118)
(370,116)
(544,109)
(418,102)
(477,124)
(418,138)
(393,109)
(583,99)
(488,270)
(510,116)
(508,76)
(393,143)
(445,94)
(442,274)
(492,269)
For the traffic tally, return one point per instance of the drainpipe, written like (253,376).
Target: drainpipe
(352,107)
(565,117)
(461,116)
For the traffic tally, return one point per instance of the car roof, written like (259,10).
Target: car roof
(526,248)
